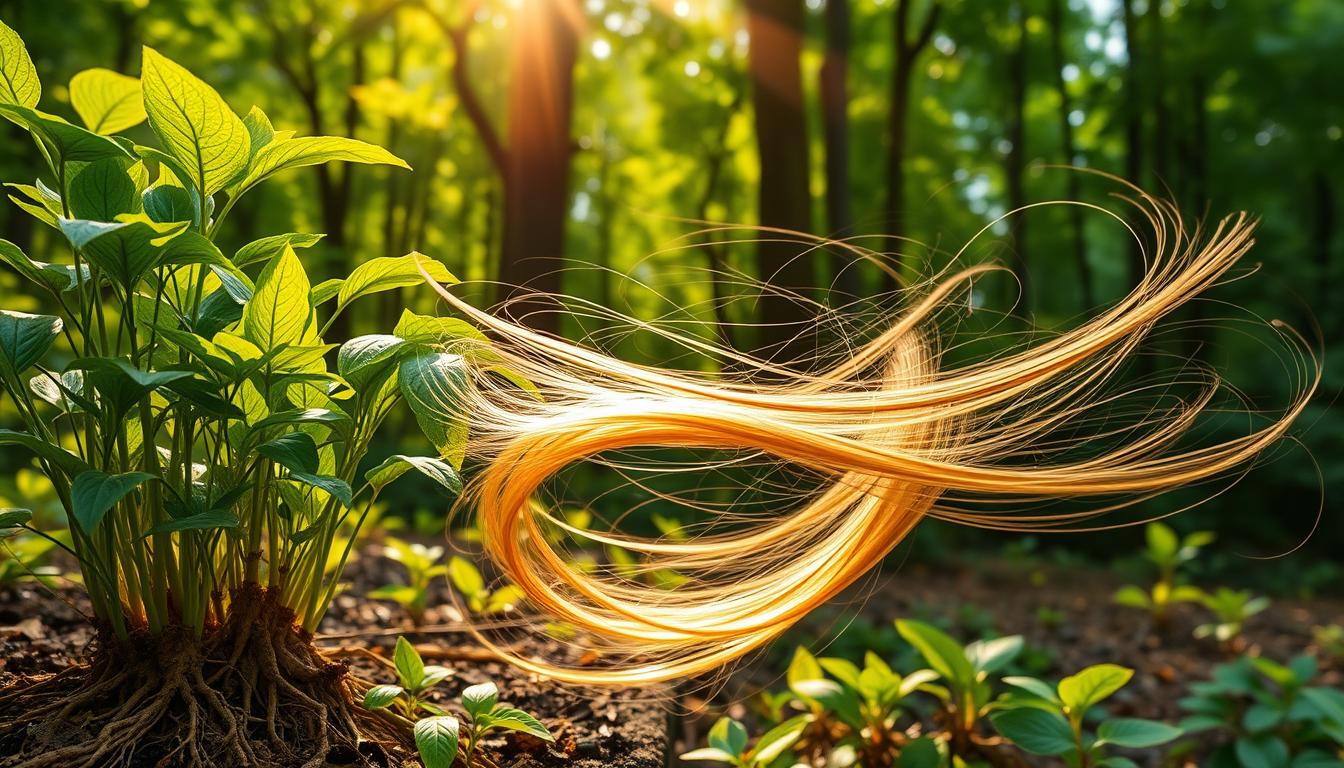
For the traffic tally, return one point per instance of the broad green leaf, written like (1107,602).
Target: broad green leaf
(479,699)
(380,696)
(709,753)
(434,675)
(436,739)
(992,655)
(332,485)
(394,467)
(108,102)
(70,142)
(1037,688)
(1035,730)
(14,518)
(279,312)
(312,150)
(193,123)
(425,329)
(124,250)
(366,361)
(410,668)
(294,451)
(728,735)
(465,576)
(55,455)
(18,77)
(305,416)
(1135,733)
(25,338)
(843,670)
(64,390)
(775,741)
(121,384)
(841,700)
(512,719)
(326,290)
(208,520)
(168,203)
(1132,597)
(93,493)
(804,666)
(1264,751)
(945,655)
(31,199)
(506,598)
(920,753)
(103,190)
(432,384)
(387,272)
(1162,540)
(268,248)
(1081,691)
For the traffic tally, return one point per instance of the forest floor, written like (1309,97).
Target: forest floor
(1065,615)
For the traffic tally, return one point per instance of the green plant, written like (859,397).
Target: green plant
(1231,607)
(439,737)
(728,744)
(1045,720)
(868,702)
(965,693)
(22,555)
(182,404)
(467,578)
(1168,553)
(1329,641)
(1268,714)
(422,565)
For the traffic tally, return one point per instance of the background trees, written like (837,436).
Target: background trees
(585,133)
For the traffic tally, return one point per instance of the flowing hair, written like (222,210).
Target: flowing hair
(891,434)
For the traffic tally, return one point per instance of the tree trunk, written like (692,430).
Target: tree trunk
(536,179)
(785,201)
(1078,238)
(1157,78)
(845,277)
(1015,163)
(907,50)
(1133,130)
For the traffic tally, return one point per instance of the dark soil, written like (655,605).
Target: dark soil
(43,631)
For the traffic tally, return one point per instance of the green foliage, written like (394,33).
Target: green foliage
(1168,553)
(480,598)
(1268,715)
(422,565)
(964,671)
(440,736)
(728,744)
(181,401)
(1231,608)
(1045,720)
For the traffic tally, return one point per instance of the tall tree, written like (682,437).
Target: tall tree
(533,161)
(1015,161)
(907,48)
(1069,147)
(1133,109)
(834,89)
(784,198)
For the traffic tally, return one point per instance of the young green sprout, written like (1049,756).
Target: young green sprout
(469,582)
(439,736)
(1050,721)
(728,744)
(422,566)
(1167,552)
(1231,607)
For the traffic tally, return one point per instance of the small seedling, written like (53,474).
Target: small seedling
(439,737)
(868,701)
(1267,713)
(1050,721)
(468,580)
(422,565)
(1232,608)
(728,744)
(1168,553)
(1329,642)
(964,671)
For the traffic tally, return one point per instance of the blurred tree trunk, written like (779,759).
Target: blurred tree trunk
(1134,162)
(1157,77)
(1197,169)
(834,77)
(1078,239)
(907,50)
(785,201)
(1015,162)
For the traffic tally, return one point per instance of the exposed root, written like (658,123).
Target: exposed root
(252,692)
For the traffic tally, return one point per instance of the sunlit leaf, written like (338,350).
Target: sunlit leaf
(108,102)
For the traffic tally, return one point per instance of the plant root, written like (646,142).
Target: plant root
(253,691)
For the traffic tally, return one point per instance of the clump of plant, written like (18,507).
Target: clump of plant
(1266,713)
(867,704)
(182,404)
(728,743)
(1231,609)
(422,566)
(964,691)
(1053,720)
(440,736)
(480,598)
(1168,553)
(1329,641)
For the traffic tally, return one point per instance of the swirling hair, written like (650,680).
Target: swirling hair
(895,436)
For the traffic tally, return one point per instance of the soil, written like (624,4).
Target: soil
(44,631)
